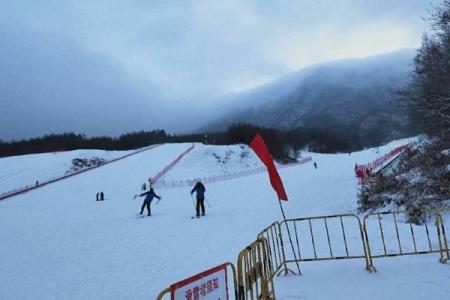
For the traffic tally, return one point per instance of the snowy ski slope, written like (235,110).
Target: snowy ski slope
(23,170)
(59,243)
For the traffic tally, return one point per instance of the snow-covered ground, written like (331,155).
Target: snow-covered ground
(405,277)
(24,170)
(59,243)
(214,160)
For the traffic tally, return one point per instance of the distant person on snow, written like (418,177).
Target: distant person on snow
(148,201)
(199,188)
(143,187)
(315,165)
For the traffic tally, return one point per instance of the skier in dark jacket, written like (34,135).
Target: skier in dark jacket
(199,188)
(148,200)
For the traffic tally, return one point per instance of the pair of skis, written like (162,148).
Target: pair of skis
(195,207)
(193,202)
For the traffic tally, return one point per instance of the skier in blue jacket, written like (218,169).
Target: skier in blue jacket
(148,200)
(199,188)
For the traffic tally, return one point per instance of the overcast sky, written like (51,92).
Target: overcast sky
(114,59)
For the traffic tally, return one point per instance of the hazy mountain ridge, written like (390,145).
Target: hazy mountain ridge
(356,96)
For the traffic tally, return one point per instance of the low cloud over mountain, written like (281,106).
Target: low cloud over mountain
(355,96)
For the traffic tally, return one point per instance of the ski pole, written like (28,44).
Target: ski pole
(193,202)
(207,202)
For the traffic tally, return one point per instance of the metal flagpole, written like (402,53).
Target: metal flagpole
(290,239)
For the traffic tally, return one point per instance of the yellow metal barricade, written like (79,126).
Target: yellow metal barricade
(388,237)
(335,237)
(277,256)
(254,274)
(329,237)
(445,251)
(163,293)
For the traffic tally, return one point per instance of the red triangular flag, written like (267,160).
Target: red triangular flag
(264,155)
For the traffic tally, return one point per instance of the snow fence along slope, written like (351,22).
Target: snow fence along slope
(62,244)
(49,168)
(212,164)
(22,170)
(369,169)
(167,168)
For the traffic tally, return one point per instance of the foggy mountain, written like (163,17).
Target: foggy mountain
(355,97)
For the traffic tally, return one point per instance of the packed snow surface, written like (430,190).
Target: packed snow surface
(59,243)
(25,170)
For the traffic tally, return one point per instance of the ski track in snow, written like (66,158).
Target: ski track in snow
(59,243)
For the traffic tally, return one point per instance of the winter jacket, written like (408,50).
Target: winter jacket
(149,195)
(200,189)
